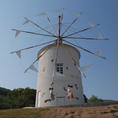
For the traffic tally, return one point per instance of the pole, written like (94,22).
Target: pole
(59,25)
(59,34)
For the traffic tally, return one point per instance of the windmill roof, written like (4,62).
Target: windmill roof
(54,44)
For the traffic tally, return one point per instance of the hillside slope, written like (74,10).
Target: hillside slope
(109,111)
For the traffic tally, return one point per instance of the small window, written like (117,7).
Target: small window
(59,68)
(52,60)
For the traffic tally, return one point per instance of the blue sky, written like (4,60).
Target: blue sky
(102,77)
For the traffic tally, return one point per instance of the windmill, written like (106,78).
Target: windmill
(59,72)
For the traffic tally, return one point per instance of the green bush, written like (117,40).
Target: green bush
(85,99)
(94,99)
(17,98)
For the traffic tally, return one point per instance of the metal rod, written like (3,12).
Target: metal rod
(39,26)
(34,33)
(35,61)
(84,38)
(70,26)
(82,30)
(32,46)
(85,49)
(49,21)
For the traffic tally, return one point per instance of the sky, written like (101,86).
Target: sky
(102,76)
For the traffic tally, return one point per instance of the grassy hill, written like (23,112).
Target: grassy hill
(25,97)
(109,111)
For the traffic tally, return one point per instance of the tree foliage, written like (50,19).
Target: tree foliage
(17,98)
(94,99)
(4,91)
(85,98)
(25,97)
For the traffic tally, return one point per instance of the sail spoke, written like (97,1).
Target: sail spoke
(85,38)
(52,26)
(32,67)
(19,31)
(85,29)
(86,50)
(70,25)
(18,52)
(38,26)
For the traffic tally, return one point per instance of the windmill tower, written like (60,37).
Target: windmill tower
(59,72)
(57,79)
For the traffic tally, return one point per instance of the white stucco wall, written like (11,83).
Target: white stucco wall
(71,76)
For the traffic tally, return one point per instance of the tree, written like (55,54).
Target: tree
(17,98)
(85,98)
(4,91)
(94,99)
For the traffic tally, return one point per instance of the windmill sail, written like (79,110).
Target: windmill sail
(78,14)
(26,21)
(18,53)
(100,36)
(42,14)
(91,24)
(86,50)
(84,74)
(81,69)
(99,52)
(32,67)
(84,68)
(17,33)
(60,10)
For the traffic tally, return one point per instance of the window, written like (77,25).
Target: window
(52,60)
(59,68)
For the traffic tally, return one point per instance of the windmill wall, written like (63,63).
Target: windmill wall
(53,86)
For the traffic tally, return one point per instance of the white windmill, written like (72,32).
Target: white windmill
(59,72)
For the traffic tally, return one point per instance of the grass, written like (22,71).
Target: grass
(22,113)
(72,112)
(115,107)
(104,112)
(66,114)
(113,110)
(61,112)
